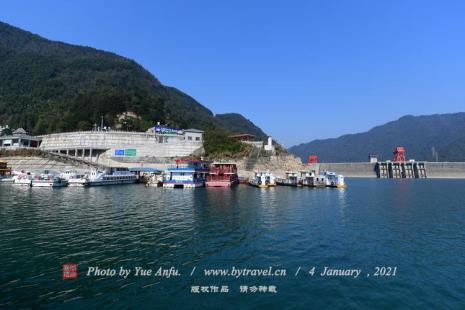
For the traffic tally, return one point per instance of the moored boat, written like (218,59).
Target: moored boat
(186,174)
(263,180)
(23,179)
(5,171)
(68,174)
(222,175)
(310,179)
(155,180)
(78,180)
(7,180)
(111,176)
(291,179)
(334,180)
(46,180)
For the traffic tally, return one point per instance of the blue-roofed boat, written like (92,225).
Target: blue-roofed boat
(186,174)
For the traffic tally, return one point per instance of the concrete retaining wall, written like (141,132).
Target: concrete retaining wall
(38,164)
(145,144)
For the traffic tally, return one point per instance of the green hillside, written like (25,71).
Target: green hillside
(418,134)
(48,86)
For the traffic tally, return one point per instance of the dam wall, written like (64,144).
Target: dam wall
(453,170)
(358,170)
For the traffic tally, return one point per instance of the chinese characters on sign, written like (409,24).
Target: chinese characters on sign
(244,289)
(70,271)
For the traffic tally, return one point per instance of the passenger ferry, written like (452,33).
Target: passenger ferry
(334,180)
(222,175)
(291,179)
(186,174)
(263,180)
(111,176)
(310,179)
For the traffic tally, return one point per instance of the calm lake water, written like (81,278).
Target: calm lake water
(417,226)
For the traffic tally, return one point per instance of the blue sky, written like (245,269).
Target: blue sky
(300,70)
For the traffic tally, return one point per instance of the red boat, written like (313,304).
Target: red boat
(222,175)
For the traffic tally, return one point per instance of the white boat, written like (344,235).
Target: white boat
(291,179)
(7,180)
(263,180)
(78,180)
(68,174)
(334,180)
(112,176)
(46,180)
(310,179)
(23,179)
(155,179)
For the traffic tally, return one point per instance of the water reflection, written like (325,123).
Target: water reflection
(341,195)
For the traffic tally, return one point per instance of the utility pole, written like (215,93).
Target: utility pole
(101,124)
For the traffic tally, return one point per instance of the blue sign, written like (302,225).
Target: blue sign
(166,130)
(119,152)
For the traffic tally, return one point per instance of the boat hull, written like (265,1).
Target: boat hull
(7,181)
(82,183)
(337,186)
(287,183)
(220,183)
(111,182)
(48,184)
(259,185)
(22,183)
(183,184)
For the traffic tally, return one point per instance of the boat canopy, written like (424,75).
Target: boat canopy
(145,169)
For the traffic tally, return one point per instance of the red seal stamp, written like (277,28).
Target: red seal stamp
(70,271)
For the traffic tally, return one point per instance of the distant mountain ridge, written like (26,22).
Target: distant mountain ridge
(48,86)
(426,137)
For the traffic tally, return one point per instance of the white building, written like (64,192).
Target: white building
(19,139)
(269,147)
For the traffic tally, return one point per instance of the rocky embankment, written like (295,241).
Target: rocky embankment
(278,164)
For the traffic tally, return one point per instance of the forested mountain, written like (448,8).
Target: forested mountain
(48,86)
(440,136)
